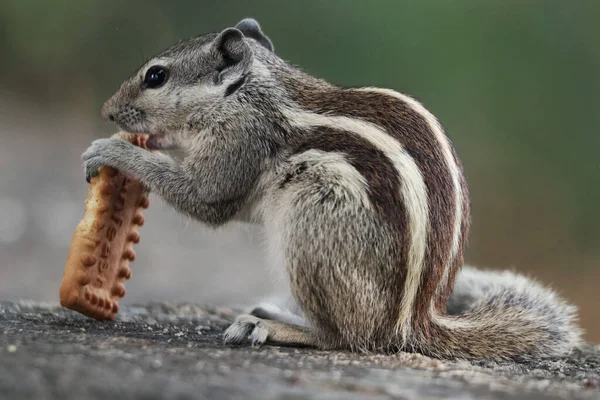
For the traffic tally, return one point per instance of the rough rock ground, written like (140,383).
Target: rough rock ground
(167,351)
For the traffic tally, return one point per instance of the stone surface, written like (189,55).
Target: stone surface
(168,351)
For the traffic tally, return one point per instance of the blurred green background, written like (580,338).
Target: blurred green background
(515,83)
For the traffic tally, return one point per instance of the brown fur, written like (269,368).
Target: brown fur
(442,298)
(414,133)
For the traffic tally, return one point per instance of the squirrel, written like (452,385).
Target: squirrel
(361,195)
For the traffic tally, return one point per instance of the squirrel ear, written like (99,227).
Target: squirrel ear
(232,48)
(250,28)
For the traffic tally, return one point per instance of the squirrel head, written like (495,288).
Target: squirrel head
(191,78)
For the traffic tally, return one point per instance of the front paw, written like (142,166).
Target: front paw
(106,153)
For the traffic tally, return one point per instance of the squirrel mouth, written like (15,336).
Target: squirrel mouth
(160,142)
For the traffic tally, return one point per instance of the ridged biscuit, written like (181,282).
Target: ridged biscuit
(102,245)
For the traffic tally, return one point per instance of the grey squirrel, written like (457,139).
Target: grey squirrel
(360,192)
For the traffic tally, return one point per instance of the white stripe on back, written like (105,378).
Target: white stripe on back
(438,131)
(413,191)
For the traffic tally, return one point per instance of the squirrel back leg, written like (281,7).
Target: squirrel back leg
(339,258)
(322,228)
(261,331)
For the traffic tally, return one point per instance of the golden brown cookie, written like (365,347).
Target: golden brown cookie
(102,245)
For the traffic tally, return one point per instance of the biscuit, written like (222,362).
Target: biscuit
(102,245)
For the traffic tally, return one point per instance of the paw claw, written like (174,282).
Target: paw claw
(259,335)
(91,170)
(244,328)
(89,174)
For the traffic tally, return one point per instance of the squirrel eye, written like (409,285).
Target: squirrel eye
(156,76)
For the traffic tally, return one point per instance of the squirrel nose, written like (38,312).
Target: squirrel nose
(107,112)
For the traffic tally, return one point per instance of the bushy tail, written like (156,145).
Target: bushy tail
(501,315)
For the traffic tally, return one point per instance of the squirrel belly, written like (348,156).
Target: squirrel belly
(362,195)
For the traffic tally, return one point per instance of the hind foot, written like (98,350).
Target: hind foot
(261,331)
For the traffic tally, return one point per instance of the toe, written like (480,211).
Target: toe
(240,329)
(259,335)
(89,175)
